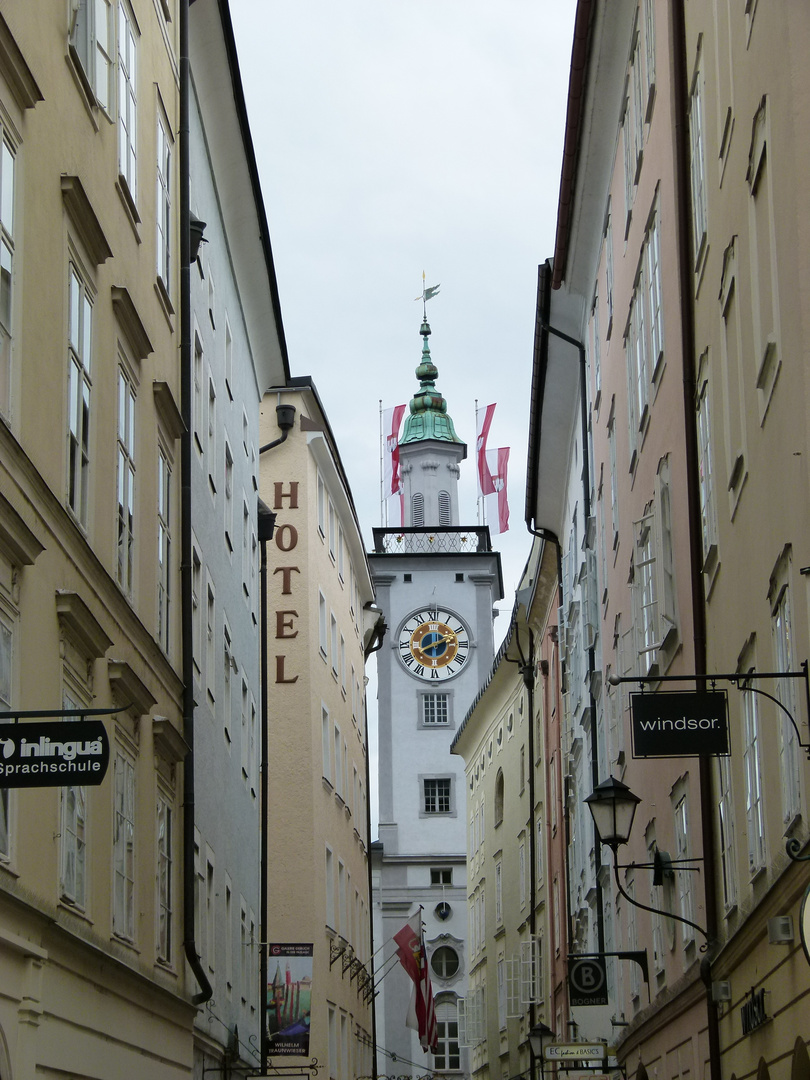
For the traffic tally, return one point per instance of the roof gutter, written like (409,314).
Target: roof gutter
(573,122)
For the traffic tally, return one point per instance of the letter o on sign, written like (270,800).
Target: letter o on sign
(286,537)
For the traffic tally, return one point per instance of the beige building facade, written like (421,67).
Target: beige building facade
(91,964)
(748,99)
(320,625)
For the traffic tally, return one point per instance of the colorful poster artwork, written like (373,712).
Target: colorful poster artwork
(289,998)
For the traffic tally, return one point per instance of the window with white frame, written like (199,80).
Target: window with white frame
(498,892)
(501,974)
(330,889)
(321,506)
(323,641)
(418,510)
(435,709)
(165,860)
(124,847)
(210,647)
(686,895)
(752,765)
(196,610)
(708,509)
(73,877)
(198,391)
(608,243)
(7,234)
(126,481)
(447,1057)
(163,204)
(228,497)
(210,911)
(211,438)
(334,647)
(164,548)
(614,477)
(227,691)
(244,950)
(127,100)
(789,750)
(727,837)
(80,325)
(697,166)
(229,376)
(656,919)
(91,44)
(246,551)
(652,573)
(437,795)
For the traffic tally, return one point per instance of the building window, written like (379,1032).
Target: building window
(126,481)
(80,324)
(698,168)
(418,510)
(321,506)
(164,549)
(332,530)
(124,848)
(211,440)
(127,100)
(196,612)
(163,215)
(752,763)
(91,40)
(210,624)
(652,577)
(7,165)
(728,851)
(435,709)
(708,513)
(444,962)
(330,889)
(74,839)
(228,665)
(686,899)
(322,625)
(498,893)
(198,392)
(499,786)
(164,879)
(444,508)
(437,795)
(448,1056)
(228,498)
(789,750)
(333,643)
(441,875)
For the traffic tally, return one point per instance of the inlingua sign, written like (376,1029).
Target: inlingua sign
(680,724)
(53,754)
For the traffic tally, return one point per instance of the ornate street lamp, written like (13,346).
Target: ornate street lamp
(537,1034)
(613,806)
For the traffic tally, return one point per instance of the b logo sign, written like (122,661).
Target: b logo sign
(587,980)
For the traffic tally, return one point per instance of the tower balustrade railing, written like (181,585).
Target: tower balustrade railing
(423,540)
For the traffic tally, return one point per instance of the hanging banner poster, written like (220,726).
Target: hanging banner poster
(53,754)
(681,724)
(289,998)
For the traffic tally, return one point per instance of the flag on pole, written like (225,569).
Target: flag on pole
(485,485)
(392,420)
(413,957)
(496,503)
(392,477)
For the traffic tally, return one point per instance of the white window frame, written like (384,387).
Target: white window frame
(125,486)
(163,204)
(127,101)
(80,350)
(164,844)
(124,846)
(752,765)
(8,163)
(790,762)
(91,39)
(164,565)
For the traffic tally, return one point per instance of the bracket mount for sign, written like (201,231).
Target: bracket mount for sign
(739,679)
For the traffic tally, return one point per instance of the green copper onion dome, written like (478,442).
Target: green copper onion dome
(428,418)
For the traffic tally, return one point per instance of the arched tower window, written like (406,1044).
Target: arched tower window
(418,510)
(444,508)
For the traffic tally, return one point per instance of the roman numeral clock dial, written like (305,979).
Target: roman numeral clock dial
(434,644)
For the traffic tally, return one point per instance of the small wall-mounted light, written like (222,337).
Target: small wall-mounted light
(780,930)
(721,991)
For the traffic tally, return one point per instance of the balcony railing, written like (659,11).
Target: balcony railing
(424,541)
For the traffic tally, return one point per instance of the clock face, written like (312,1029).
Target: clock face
(434,644)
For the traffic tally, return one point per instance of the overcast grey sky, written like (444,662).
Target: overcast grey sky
(396,136)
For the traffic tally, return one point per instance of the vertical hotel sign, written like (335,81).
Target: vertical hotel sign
(685,724)
(289,998)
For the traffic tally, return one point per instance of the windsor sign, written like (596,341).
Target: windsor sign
(680,724)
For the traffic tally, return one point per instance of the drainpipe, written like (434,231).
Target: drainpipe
(189,876)
(266,526)
(683,193)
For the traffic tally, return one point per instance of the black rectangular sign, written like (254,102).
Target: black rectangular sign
(684,724)
(53,754)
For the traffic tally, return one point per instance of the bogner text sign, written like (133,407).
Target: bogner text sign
(53,754)
(680,724)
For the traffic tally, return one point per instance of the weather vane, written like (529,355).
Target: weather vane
(426,294)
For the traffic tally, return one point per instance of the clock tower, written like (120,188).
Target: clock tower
(437,582)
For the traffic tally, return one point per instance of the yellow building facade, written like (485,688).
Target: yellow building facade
(91,965)
(320,624)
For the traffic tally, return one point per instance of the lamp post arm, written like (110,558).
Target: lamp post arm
(776,701)
(655,911)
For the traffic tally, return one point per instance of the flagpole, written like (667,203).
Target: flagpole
(477,481)
(382,469)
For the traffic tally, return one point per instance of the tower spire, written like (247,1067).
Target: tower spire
(428,417)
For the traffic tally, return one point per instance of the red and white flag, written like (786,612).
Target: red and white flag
(392,421)
(496,504)
(413,957)
(485,485)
